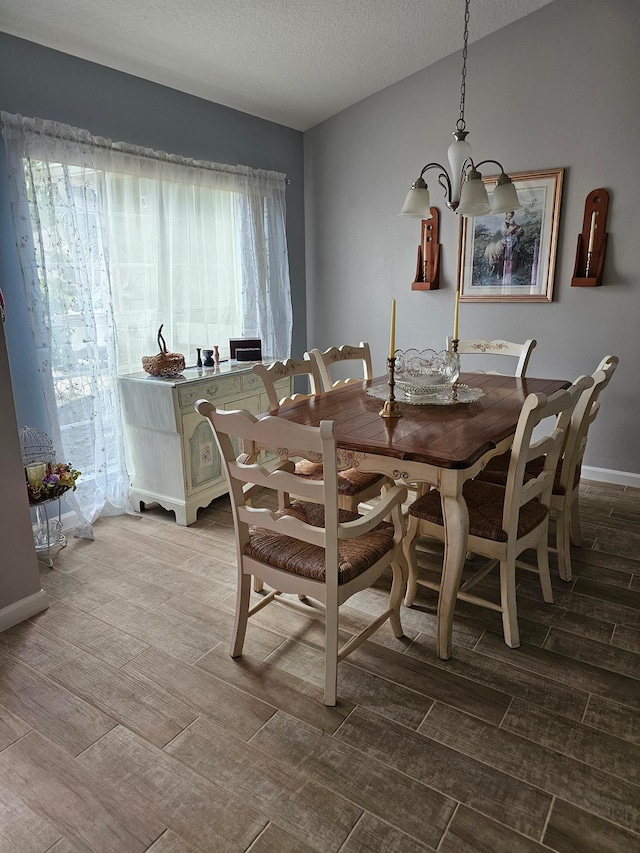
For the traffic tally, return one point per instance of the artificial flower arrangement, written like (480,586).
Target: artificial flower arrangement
(48,480)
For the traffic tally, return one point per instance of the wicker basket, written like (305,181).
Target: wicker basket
(165,363)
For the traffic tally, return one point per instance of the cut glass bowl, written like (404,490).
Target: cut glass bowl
(423,373)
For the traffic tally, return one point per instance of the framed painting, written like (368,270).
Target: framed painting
(511,257)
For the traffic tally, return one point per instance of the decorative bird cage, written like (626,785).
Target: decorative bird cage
(36,446)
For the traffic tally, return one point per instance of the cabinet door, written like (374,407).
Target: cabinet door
(202,463)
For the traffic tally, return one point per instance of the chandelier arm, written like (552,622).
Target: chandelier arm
(495,162)
(443,175)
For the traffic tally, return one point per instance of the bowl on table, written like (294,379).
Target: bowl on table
(425,373)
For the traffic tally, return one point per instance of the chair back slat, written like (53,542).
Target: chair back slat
(286,525)
(290,368)
(334,355)
(480,346)
(277,481)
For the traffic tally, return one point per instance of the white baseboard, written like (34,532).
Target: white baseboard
(23,609)
(608,475)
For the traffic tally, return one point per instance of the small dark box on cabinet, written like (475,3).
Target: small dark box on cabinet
(245,349)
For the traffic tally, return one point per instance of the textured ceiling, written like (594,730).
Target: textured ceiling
(295,62)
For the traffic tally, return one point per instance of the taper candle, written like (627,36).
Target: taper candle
(456,308)
(592,232)
(35,472)
(392,334)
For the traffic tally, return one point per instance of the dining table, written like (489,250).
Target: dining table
(442,444)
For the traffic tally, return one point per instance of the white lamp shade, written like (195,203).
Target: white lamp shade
(474,200)
(459,151)
(505,198)
(417,204)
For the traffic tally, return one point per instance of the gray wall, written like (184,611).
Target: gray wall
(19,577)
(558,88)
(36,81)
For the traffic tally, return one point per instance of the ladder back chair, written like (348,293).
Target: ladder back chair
(481,347)
(353,486)
(334,355)
(566,487)
(309,547)
(289,368)
(505,520)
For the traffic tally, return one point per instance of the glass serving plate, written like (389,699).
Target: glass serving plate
(449,397)
(425,373)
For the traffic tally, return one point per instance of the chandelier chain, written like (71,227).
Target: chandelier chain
(461,124)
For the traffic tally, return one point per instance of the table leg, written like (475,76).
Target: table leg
(456,527)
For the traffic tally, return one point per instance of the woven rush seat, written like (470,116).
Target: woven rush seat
(497,468)
(485,502)
(355,556)
(350,481)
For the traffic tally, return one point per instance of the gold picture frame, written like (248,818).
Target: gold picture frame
(511,257)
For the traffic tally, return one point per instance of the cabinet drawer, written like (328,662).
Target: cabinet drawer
(209,389)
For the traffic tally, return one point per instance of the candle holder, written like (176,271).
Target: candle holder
(592,242)
(428,264)
(391,408)
(454,387)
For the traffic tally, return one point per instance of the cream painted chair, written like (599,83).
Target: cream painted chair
(566,487)
(309,547)
(353,486)
(290,368)
(334,355)
(506,520)
(480,347)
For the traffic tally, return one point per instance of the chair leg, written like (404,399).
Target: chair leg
(331,654)
(409,548)
(398,584)
(242,614)
(576,535)
(258,586)
(563,536)
(542,552)
(508,601)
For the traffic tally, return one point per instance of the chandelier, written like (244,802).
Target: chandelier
(465,192)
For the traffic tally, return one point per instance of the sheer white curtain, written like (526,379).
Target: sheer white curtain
(115,240)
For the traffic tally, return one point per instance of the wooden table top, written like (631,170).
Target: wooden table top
(444,436)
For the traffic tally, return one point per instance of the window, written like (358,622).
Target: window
(115,240)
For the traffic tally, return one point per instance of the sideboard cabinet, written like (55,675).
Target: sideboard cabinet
(170,447)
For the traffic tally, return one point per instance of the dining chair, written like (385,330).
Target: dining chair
(289,368)
(481,347)
(505,520)
(333,355)
(353,486)
(308,547)
(566,487)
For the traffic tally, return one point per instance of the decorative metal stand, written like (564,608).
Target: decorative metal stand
(391,409)
(47,532)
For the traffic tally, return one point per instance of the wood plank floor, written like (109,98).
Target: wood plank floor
(125,725)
